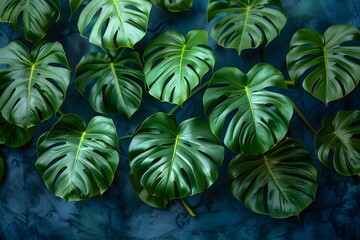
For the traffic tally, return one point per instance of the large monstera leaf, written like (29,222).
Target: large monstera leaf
(14,136)
(78,161)
(245,24)
(35,15)
(173,161)
(339,141)
(175,64)
(280,183)
(112,78)
(33,84)
(258,118)
(125,22)
(328,64)
(173,5)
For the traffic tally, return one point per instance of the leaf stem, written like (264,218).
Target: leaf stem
(303,118)
(126,137)
(290,83)
(187,207)
(60,112)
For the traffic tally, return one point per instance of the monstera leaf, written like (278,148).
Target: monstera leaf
(33,85)
(258,118)
(119,23)
(78,161)
(35,15)
(14,136)
(111,76)
(175,64)
(173,161)
(339,140)
(328,64)
(74,5)
(280,183)
(244,24)
(173,5)
(2,168)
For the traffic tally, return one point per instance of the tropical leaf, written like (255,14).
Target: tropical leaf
(14,136)
(175,64)
(244,24)
(33,85)
(173,161)
(2,168)
(78,161)
(173,5)
(258,118)
(34,15)
(111,77)
(280,183)
(328,64)
(74,5)
(125,22)
(339,141)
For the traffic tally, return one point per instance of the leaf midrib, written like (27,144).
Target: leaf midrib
(120,18)
(245,24)
(31,76)
(81,142)
(248,95)
(113,71)
(173,159)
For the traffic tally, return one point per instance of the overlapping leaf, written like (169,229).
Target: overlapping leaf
(78,161)
(14,136)
(173,5)
(245,24)
(74,5)
(175,64)
(112,79)
(257,118)
(339,140)
(280,183)
(328,64)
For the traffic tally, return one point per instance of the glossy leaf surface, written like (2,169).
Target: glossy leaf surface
(257,118)
(78,161)
(173,5)
(14,136)
(280,183)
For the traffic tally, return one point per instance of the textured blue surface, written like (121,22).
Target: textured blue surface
(28,210)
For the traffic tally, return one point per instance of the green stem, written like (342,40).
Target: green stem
(303,118)
(188,209)
(60,112)
(125,137)
(290,83)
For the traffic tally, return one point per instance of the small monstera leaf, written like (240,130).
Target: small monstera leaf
(173,161)
(175,64)
(258,118)
(74,5)
(111,77)
(339,140)
(35,15)
(328,64)
(14,136)
(125,22)
(244,24)
(33,85)
(2,168)
(173,5)
(280,183)
(78,161)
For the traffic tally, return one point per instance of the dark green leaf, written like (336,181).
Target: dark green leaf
(339,140)
(280,183)
(2,168)
(174,161)
(328,64)
(14,136)
(111,76)
(74,5)
(173,5)
(258,118)
(78,161)
(175,64)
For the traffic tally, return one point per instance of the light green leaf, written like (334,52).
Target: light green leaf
(111,77)
(328,64)
(117,23)
(175,64)
(258,118)
(244,24)
(78,161)
(14,136)
(174,161)
(339,141)
(33,85)
(280,183)
(173,5)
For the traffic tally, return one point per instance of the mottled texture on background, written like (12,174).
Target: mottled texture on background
(29,211)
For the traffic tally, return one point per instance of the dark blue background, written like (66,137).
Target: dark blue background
(28,210)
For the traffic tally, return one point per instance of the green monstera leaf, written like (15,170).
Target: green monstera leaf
(258,118)
(118,23)
(111,77)
(14,136)
(339,140)
(78,161)
(35,15)
(329,64)
(2,168)
(280,183)
(75,5)
(175,64)
(244,24)
(173,161)
(33,85)
(173,5)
